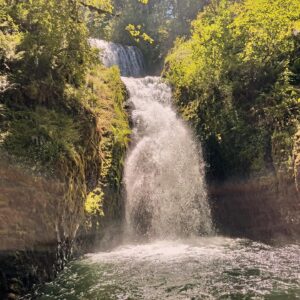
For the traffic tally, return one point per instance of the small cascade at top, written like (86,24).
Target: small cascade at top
(129,58)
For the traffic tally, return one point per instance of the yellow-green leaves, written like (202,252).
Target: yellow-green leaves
(296,28)
(255,32)
(264,27)
(237,79)
(93,203)
(137,34)
(104,5)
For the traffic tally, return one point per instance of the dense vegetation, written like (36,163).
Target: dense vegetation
(237,79)
(151,25)
(61,111)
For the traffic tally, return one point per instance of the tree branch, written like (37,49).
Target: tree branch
(5,85)
(98,10)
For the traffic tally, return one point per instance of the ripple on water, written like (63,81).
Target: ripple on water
(203,268)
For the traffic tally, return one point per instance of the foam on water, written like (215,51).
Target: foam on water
(197,268)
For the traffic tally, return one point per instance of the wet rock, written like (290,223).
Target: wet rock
(15,286)
(12,296)
(266,209)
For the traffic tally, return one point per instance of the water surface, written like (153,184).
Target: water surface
(202,268)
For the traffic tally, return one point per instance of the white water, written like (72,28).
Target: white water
(164,171)
(128,58)
(201,268)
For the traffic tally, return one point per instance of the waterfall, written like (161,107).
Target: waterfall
(164,171)
(128,58)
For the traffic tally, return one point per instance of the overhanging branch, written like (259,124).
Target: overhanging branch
(98,10)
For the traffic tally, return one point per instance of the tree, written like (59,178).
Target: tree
(44,44)
(152,27)
(236,79)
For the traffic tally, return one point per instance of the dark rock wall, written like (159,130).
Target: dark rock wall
(31,248)
(264,209)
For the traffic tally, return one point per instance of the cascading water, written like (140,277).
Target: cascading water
(128,58)
(164,172)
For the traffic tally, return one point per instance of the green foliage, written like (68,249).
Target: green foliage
(63,110)
(105,5)
(42,135)
(105,95)
(55,42)
(113,122)
(86,136)
(152,27)
(237,80)
(44,43)
(94,202)
(10,37)
(136,33)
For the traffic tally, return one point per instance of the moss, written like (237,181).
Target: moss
(282,148)
(80,138)
(41,136)
(94,201)
(112,121)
